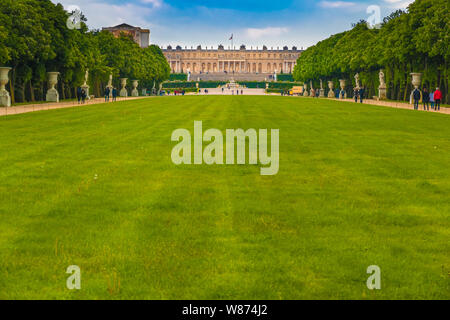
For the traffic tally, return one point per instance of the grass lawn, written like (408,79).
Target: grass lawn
(95,186)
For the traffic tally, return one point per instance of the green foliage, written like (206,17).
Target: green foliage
(34,39)
(414,41)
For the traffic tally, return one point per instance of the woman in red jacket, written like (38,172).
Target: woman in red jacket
(437,99)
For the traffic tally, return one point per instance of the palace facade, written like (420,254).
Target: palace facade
(140,36)
(242,60)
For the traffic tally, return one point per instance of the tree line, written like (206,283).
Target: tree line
(35,39)
(415,40)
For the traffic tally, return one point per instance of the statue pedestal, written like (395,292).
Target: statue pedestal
(382,93)
(134,93)
(144,91)
(5,99)
(85,87)
(322,93)
(305,93)
(52,95)
(123,92)
(331,94)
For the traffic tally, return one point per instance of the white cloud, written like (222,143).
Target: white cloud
(155,3)
(336,4)
(255,33)
(398,4)
(102,14)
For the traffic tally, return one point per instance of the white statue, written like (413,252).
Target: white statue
(357,80)
(382,81)
(86,76)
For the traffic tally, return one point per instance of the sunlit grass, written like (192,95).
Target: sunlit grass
(95,187)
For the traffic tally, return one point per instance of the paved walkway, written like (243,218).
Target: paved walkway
(55,105)
(392,104)
(48,106)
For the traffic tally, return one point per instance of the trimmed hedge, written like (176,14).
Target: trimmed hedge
(285,77)
(178,85)
(178,77)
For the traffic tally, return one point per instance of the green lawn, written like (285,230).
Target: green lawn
(95,186)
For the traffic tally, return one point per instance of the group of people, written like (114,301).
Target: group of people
(109,92)
(81,95)
(428,98)
(358,93)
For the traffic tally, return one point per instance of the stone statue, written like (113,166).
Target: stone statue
(85,86)
(86,76)
(382,88)
(357,80)
(321,91)
(382,81)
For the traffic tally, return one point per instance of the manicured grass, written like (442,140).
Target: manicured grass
(95,186)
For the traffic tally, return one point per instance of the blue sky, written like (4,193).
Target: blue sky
(252,22)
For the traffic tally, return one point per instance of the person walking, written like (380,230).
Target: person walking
(107,92)
(362,90)
(432,100)
(355,94)
(416,98)
(426,99)
(83,96)
(114,95)
(79,94)
(437,99)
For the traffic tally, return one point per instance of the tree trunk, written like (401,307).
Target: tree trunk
(32,92)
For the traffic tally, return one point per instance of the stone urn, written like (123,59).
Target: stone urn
(342,84)
(123,91)
(5,99)
(331,88)
(52,93)
(135,92)
(416,79)
(305,90)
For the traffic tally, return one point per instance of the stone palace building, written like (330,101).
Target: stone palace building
(237,61)
(140,36)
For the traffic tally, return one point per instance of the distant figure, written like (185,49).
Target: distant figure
(223,89)
(355,94)
(437,99)
(416,98)
(432,100)
(342,94)
(107,94)
(242,91)
(361,94)
(426,99)
(237,92)
(114,94)
(336,93)
(79,94)
(317,93)
(83,95)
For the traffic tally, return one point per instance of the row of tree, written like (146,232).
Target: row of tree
(35,38)
(416,40)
